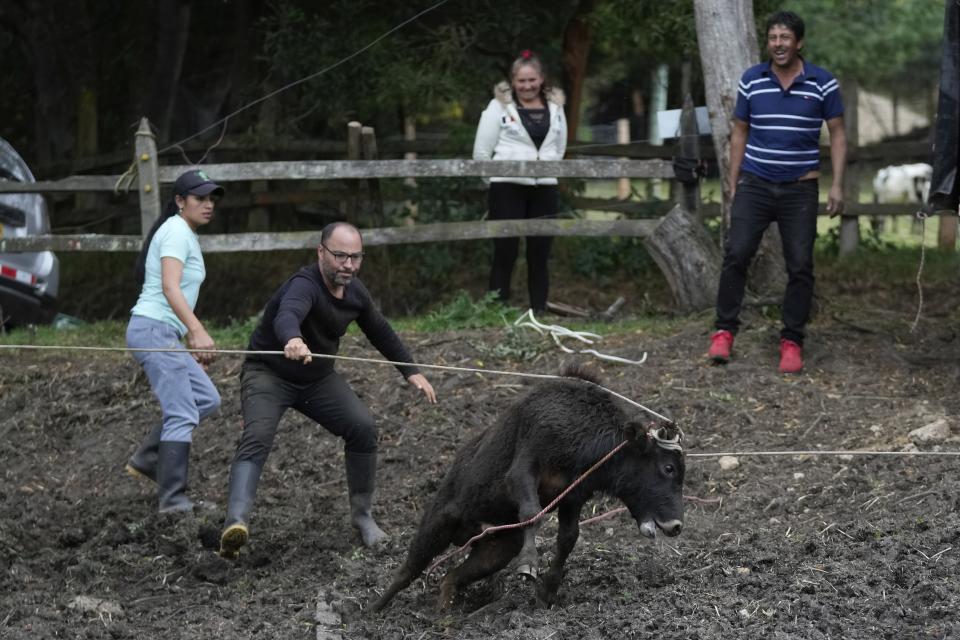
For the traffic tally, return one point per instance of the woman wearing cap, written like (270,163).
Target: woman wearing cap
(170,270)
(524,121)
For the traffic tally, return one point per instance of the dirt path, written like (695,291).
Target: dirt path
(799,547)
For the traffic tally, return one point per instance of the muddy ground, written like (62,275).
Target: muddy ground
(798,547)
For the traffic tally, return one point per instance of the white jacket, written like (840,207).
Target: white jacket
(501,135)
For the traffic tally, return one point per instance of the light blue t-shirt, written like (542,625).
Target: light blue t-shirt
(174,239)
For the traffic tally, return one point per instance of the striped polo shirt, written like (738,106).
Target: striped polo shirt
(784,136)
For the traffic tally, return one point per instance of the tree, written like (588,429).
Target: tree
(726,31)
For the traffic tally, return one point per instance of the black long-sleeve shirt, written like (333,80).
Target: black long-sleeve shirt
(304,307)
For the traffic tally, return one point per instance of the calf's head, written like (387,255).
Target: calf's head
(651,480)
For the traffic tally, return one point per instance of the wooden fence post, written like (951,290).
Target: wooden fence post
(849,222)
(149,186)
(947,235)
(623,137)
(410,135)
(354,144)
(368,139)
(689,147)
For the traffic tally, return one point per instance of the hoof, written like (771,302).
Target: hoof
(232,539)
(527,570)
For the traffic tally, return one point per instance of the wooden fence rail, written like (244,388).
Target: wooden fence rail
(370,169)
(293,240)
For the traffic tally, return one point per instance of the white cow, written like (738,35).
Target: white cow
(903,183)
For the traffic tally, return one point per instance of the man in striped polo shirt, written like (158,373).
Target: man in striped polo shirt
(774,167)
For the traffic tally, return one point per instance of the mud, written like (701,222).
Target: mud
(797,546)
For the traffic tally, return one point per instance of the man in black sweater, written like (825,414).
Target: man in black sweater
(307,315)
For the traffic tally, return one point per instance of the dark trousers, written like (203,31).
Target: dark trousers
(331,402)
(757,203)
(508,201)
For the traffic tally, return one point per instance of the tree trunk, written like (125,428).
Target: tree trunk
(55,98)
(688,258)
(172,28)
(728,46)
(576,50)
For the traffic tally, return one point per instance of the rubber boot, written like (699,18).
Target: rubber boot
(361,473)
(143,463)
(244,477)
(172,470)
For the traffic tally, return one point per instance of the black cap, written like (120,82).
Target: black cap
(196,183)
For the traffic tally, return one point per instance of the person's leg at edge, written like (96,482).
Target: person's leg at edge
(169,374)
(504,203)
(334,405)
(144,462)
(750,215)
(543,202)
(797,220)
(264,397)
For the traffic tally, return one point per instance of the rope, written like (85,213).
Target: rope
(557,331)
(838,452)
(923,246)
(520,374)
(126,178)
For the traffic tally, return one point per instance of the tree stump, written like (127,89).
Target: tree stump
(688,258)
(767,277)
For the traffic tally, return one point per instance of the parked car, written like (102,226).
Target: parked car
(29,282)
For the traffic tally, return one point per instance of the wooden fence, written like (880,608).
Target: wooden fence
(150,175)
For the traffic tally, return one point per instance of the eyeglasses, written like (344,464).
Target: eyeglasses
(341,258)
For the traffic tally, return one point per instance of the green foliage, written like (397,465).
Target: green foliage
(597,257)
(430,68)
(465,313)
(109,333)
(235,335)
(881,44)
(516,344)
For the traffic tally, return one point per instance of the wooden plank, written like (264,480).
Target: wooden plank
(346,169)
(442,232)
(73,184)
(77,242)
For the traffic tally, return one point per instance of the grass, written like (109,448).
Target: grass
(461,313)
(111,333)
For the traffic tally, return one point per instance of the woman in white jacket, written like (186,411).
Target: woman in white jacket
(524,121)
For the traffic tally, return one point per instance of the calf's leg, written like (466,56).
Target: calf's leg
(522,486)
(434,535)
(486,558)
(567,534)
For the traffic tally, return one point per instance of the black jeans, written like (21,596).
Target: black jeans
(331,402)
(757,203)
(509,201)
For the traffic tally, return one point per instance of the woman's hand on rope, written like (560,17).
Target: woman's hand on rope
(297,349)
(198,338)
(422,384)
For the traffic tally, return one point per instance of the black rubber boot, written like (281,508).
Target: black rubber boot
(361,474)
(172,470)
(143,463)
(244,477)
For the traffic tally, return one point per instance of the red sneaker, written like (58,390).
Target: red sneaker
(721,343)
(791,356)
